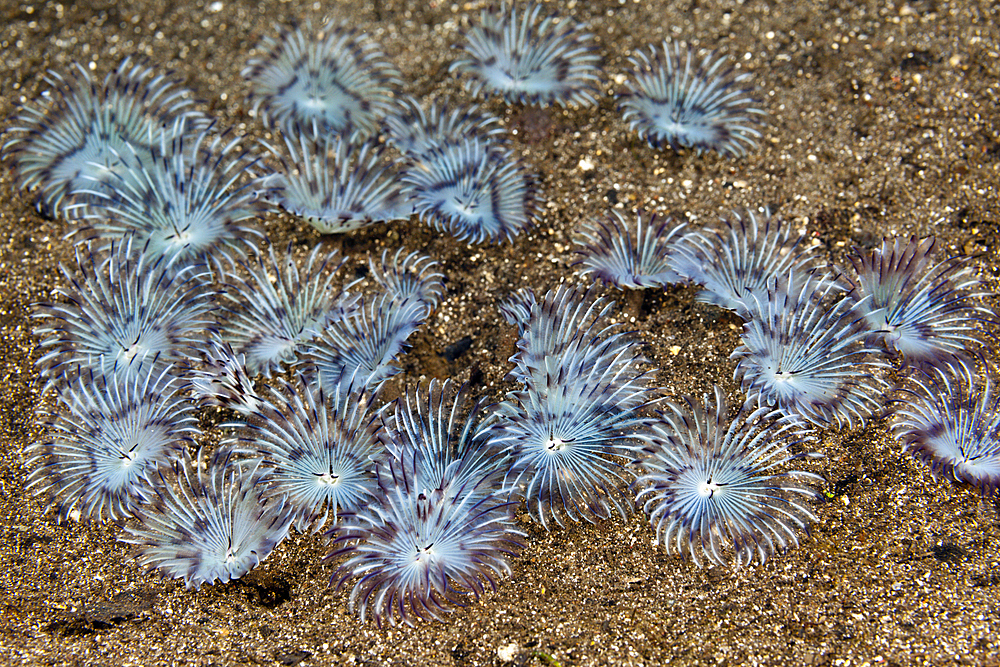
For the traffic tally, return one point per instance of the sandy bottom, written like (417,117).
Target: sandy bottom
(883,120)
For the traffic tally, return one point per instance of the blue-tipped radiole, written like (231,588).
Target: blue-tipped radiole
(948,416)
(473,191)
(84,134)
(320,447)
(804,351)
(335,185)
(679,101)
(419,553)
(720,490)
(627,256)
(209,521)
(523,59)
(330,81)
(922,311)
(107,441)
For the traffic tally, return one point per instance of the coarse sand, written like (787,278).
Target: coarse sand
(882,120)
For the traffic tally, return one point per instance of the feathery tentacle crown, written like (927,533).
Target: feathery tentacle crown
(418,552)
(444,438)
(193,203)
(516,311)
(423,491)
(678,101)
(357,351)
(85,135)
(715,486)
(627,256)
(416,133)
(319,447)
(922,311)
(737,263)
(334,81)
(578,419)
(473,191)
(803,351)
(334,185)
(563,324)
(223,381)
(209,521)
(949,417)
(108,438)
(122,313)
(524,60)
(269,321)
(410,279)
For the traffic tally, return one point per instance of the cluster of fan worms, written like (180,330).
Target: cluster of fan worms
(176,300)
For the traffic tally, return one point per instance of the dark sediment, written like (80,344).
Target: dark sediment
(883,120)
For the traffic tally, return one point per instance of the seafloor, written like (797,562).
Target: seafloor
(883,120)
